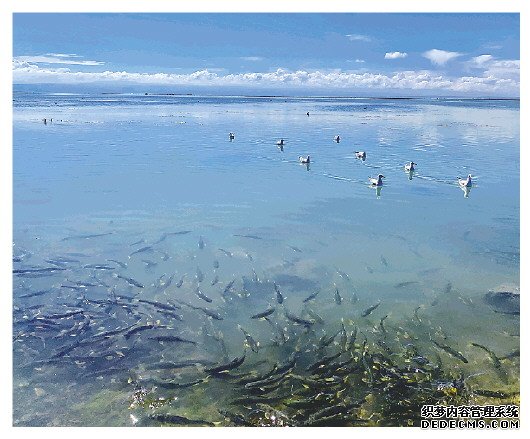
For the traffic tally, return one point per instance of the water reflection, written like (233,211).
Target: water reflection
(466,190)
(409,174)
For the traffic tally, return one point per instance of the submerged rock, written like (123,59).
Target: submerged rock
(504,301)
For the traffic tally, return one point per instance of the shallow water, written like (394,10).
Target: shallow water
(135,169)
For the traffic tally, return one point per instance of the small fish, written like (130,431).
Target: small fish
(200,243)
(216,264)
(451,351)
(98,266)
(199,275)
(203,296)
(167,235)
(215,280)
(159,305)
(298,320)
(121,264)
(264,314)
(211,313)
(381,325)
(146,249)
(164,418)
(235,363)
(338,298)
(514,354)
(314,315)
(229,286)
(279,296)
(295,249)
(369,269)
(137,242)
(130,281)
(181,281)
(226,252)
(383,261)
(370,309)
(149,264)
(448,288)
(342,274)
(494,393)
(137,329)
(254,346)
(249,236)
(494,359)
(311,297)
(249,256)
(172,339)
(97,235)
(405,284)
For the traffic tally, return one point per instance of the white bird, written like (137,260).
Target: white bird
(360,155)
(410,166)
(465,182)
(279,142)
(337,138)
(377,181)
(304,160)
(231,136)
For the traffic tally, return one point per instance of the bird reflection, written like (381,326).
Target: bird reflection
(466,190)
(409,174)
(378,190)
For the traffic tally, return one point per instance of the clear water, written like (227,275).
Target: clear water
(134,167)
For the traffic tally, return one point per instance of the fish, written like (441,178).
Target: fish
(216,264)
(130,332)
(298,320)
(381,325)
(448,288)
(159,305)
(203,296)
(163,365)
(211,313)
(200,244)
(248,236)
(264,314)
(249,256)
(279,296)
(494,393)
(167,235)
(141,241)
(311,313)
(369,269)
(149,264)
(405,284)
(235,418)
(494,359)
(165,418)
(96,235)
(370,309)
(383,261)
(98,266)
(235,363)
(338,298)
(226,252)
(514,354)
(342,274)
(181,281)
(38,270)
(295,249)
(450,351)
(311,297)
(121,264)
(215,281)
(229,286)
(129,280)
(416,313)
(253,344)
(172,339)
(146,249)
(199,275)
(34,294)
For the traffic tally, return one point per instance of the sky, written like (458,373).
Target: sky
(346,54)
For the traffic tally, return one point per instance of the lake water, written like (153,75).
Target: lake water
(108,175)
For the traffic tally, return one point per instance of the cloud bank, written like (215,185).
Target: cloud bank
(500,77)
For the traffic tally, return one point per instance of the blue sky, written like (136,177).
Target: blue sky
(406,54)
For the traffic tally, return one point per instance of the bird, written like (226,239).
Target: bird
(360,155)
(465,182)
(410,166)
(279,142)
(377,181)
(231,136)
(304,159)
(337,138)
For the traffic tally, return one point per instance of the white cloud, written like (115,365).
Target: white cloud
(359,37)
(252,58)
(501,78)
(440,57)
(480,60)
(395,55)
(57,58)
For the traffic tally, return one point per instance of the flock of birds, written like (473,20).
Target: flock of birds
(464,183)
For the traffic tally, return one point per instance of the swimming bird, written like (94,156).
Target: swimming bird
(337,138)
(231,136)
(279,142)
(360,155)
(465,182)
(377,181)
(410,166)
(304,160)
